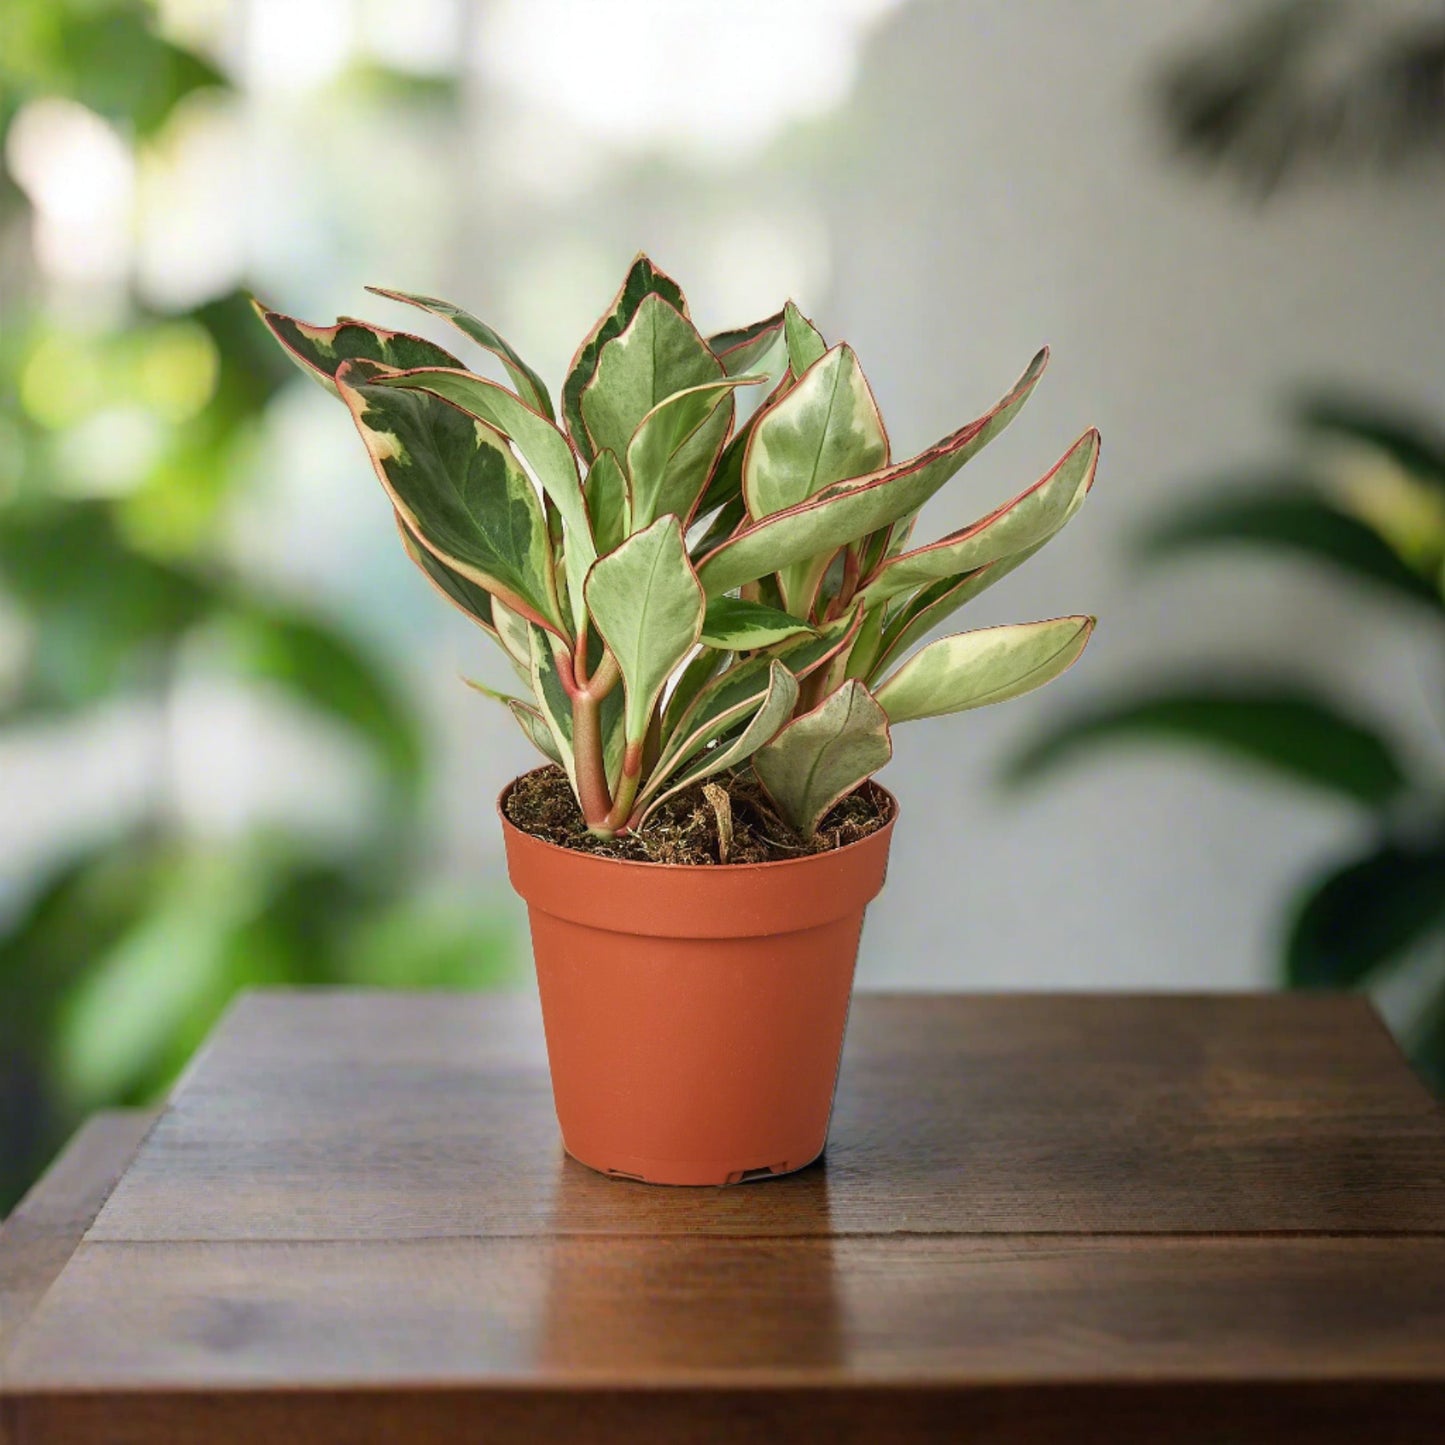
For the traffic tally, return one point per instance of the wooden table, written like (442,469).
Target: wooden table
(1041,1219)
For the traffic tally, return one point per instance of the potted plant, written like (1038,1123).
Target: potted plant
(711,621)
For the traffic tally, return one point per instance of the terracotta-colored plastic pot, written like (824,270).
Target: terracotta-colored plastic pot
(694,1015)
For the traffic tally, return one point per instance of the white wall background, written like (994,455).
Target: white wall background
(947,186)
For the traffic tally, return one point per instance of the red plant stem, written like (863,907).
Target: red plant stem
(619,817)
(587,754)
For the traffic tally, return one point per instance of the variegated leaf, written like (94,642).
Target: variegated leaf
(826,429)
(853,509)
(660,352)
(643,279)
(320,350)
(529,719)
(747,348)
(973,669)
(938,602)
(823,755)
(668,459)
(513,632)
(779,696)
(805,342)
(608,505)
(725,490)
(1028,521)
(648,606)
(530,386)
(551,698)
(737,626)
(700,671)
(728,696)
(459,490)
(460,591)
(542,446)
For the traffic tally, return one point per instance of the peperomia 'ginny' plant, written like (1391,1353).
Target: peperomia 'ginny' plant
(682,592)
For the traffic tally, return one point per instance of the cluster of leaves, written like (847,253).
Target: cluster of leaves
(681,592)
(1370,505)
(120,950)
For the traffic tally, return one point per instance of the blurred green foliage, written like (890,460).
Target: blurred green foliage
(118,958)
(1367,501)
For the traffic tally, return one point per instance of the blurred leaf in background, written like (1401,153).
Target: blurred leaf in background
(125,432)
(1367,501)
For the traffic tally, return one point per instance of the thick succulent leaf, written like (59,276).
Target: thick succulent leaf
(528,717)
(974,669)
(459,490)
(535,730)
(550,696)
(1303,737)
(321,350)
(1293,518)
(779,697)
(675,448)
(725,490)
(700,671)
(543,447)
(1367,914)
(826,429)
(659,353)
(748,347)
(1404,439)
(608,506)
(530,386)
(737,626)
(648,606)
(513,632)
(823,755)
(643,279)
(728,696)
(805,341)
(853,509)
(460,591)
(1028,521)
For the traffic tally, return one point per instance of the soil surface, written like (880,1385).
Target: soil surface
(685,828)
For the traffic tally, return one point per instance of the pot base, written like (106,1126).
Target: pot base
(714,1173)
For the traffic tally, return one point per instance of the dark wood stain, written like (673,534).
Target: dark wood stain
(1040,1219)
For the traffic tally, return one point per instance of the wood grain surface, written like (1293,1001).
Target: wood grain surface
(1039,1219)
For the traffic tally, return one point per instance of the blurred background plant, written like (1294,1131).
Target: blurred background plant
(1294,90)
(128,430)
(1365,497)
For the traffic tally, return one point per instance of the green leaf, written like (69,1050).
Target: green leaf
(323,669)
(320,351)
(543,447)
(805,342)
(608,506)
(528,717)
(659,353)
(974,669)
(551,698)
(460,591)
(737,626)
(460,492)
(725,490)
(1404,439)
(675,448)
(1030,520)
(1293,518)
(648,606)
(1302,737)
(780,695)
(698,673)
(823,755)
(1367,914)
(746,348)
(643,279)
(852,509)
(825,430)
(530,386)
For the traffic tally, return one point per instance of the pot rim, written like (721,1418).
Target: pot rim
(582,854)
